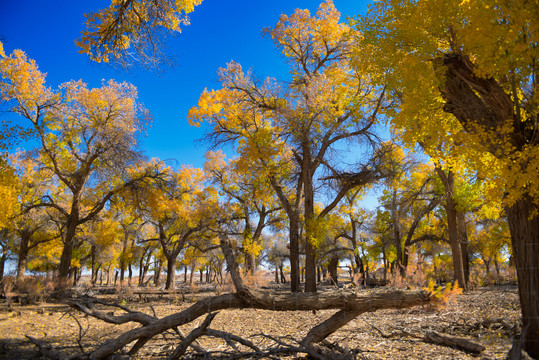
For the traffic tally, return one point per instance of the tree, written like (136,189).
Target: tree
(252,205)
(131,32)
(180,209)
(30,227)
(471,72)
(291,132)
(87,141)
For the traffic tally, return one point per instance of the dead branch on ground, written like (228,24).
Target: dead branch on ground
(349,303)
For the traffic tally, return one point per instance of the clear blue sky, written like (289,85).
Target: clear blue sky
(220,31)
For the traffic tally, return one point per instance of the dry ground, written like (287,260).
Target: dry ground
(489,316)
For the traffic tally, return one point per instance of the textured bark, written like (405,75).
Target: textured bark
(171,273)
(333,272)
(524,227)
(452,225)
(23,255)
(453,341)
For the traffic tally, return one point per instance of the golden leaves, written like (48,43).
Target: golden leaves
(128,31)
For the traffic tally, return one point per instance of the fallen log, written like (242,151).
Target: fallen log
(453,341)
(350,303)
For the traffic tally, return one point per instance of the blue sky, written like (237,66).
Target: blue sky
(220,31)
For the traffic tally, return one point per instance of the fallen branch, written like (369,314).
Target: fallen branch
(193,335)
(438,339)
(46,350)
(453,341)
(351,303)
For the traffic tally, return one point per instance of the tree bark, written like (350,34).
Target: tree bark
(523,221)
(333,270)
(3,257)
(23,255)
(448,181)
(463,238)
(171,273)
(69,241)
(294,254)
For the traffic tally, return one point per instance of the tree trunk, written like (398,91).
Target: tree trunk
(294,255)
(276,274)
(283,278)
(158,267)
(351,303)
(310,235)
(333,270)
(250,264)
(93,276)
(3,257)
(463,237)
(397,240)
(191,275)
(130,274)
(523,221)
(448,181)
(171,273)
(69,240)
(23,255)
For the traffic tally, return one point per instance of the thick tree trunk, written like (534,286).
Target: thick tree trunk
(310,218)
(523,221)
(171,273)
(351,303)
(23,255)
(69,242)
(333,272)
(448,181)
(250,264)
(294,254)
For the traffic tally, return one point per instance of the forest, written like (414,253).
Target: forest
(429,106)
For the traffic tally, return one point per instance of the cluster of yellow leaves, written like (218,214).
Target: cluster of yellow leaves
(305,35)
(446,293)
(9,191)
(129,27)
(23,81)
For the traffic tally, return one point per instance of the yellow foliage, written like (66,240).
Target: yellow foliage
(129,28)
(446,293)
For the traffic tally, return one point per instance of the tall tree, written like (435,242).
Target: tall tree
(468,71)
(291,132)
(87,140)
(252,204)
